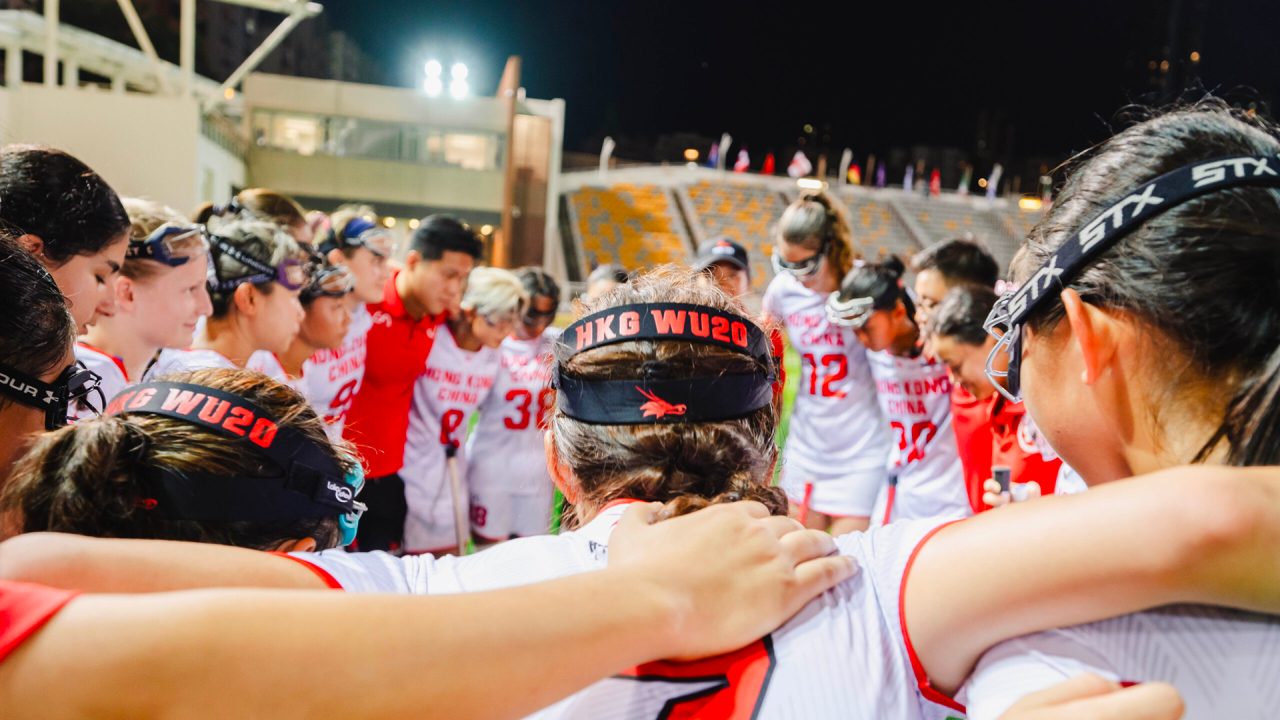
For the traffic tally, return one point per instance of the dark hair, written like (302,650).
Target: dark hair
(437,234)
(962,313)
(959,260)
(36,329)
(815,219)
(50,194)
(1204,273)
(882,282)
(85,478)
(538,283)
(609,271)
(691,463)
(255,204)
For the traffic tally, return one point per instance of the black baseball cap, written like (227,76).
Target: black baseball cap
(722,249)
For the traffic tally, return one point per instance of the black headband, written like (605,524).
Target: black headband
(312,485)
(654,399)
(1167,191)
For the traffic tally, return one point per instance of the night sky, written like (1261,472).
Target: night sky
(877,74)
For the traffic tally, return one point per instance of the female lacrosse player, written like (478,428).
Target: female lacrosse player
(834,460)
(511,492)
(925,478)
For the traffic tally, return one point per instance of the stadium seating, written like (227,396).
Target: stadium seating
(876,230)
(634,226)
(742,212)
(942,219)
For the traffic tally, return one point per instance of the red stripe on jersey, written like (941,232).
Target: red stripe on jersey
(25,608)
(119,363)
(922,680)
(320,572)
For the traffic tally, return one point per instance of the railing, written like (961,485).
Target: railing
(226,133)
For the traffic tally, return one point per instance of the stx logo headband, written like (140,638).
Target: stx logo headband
(653,398)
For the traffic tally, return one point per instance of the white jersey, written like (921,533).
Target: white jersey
(266,362)
(1223,662)
(843,655)
(1069,482)
(915,396)
(453,384)
(331,378)
(176,361)
(108,367)
(836,429)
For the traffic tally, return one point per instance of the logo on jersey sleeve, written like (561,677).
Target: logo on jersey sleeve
(726,687)
(659,407)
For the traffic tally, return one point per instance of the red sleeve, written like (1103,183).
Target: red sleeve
(25,607)
(970,418)
(329,581)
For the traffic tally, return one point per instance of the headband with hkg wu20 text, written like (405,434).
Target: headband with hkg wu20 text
(654,398)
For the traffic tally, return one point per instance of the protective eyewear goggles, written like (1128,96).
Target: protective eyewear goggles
(171,244)
(806,268)
(334,281)
(292,273)
(534,317)
(497,319)
(379,241)
(75,384)
(1009,316)
(851,313)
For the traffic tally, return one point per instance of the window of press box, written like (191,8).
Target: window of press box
(376,139)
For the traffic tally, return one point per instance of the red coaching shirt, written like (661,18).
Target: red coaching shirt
(1016,442)
(24,608)
(971,419)
(397,348)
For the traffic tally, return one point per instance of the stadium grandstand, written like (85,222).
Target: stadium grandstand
(643,216)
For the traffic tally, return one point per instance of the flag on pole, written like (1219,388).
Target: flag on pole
(723,156)
(994,181)
(606,150)
(965,176)
(713,157)
(855,174)
(845,159)
(768,165)
(880,176)
(907,181)
(744,162)
(800,165)
(935,183)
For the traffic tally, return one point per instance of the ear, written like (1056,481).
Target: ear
(32,244)
(303,545)
(561,475)
(124,291)
(411,260)
(245,298)
(1094,331)
(336,257)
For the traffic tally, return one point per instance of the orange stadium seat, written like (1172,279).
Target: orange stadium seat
(743,212)
(630,225)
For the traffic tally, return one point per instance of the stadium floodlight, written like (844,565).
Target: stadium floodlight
(810,183)
(458,71)
(458,89)
(433,85)
(433,68)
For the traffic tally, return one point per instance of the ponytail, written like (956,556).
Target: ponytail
(882,282)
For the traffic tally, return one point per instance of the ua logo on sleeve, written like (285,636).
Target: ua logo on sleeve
(726,687)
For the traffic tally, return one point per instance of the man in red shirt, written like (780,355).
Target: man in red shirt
(1000,432)
(415,300)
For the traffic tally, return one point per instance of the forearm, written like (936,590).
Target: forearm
(213,654)
(1190,535)
(99,565)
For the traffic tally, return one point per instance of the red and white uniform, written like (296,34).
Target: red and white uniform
(971,420)
(268,364)
(176,361)
(452,385)
(331,378)
(24,609)
(1223,662)
(837,442)
(511,489)
(915,396)
(108,367)
(844,655)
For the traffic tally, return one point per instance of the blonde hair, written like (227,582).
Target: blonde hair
(817,218)
(259,239)
(144,217)
(493,290)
